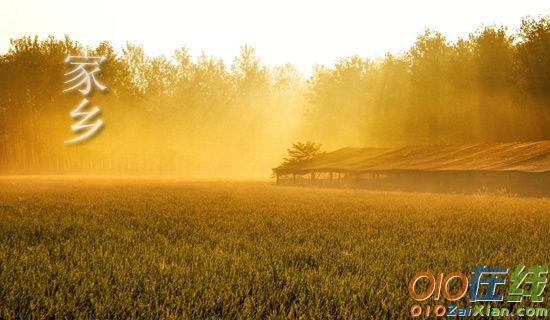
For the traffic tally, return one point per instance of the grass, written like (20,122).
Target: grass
(120,249)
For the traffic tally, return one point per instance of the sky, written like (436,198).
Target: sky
(301,32)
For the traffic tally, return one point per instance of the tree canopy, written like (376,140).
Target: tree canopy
(200,115)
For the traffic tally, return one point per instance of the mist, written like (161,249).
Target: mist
(202,116)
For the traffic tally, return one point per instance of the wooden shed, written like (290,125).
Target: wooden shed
(516,168)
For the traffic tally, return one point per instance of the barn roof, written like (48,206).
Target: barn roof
(525,157)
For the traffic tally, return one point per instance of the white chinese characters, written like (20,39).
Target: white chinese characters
(83,79)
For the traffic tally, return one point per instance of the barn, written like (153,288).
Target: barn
(512,168)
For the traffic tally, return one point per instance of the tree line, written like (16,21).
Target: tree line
(186,115)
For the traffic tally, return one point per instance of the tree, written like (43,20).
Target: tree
(302,151)
(429,60)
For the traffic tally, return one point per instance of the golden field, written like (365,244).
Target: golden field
(181,249)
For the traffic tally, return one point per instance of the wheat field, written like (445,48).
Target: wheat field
(128,248)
